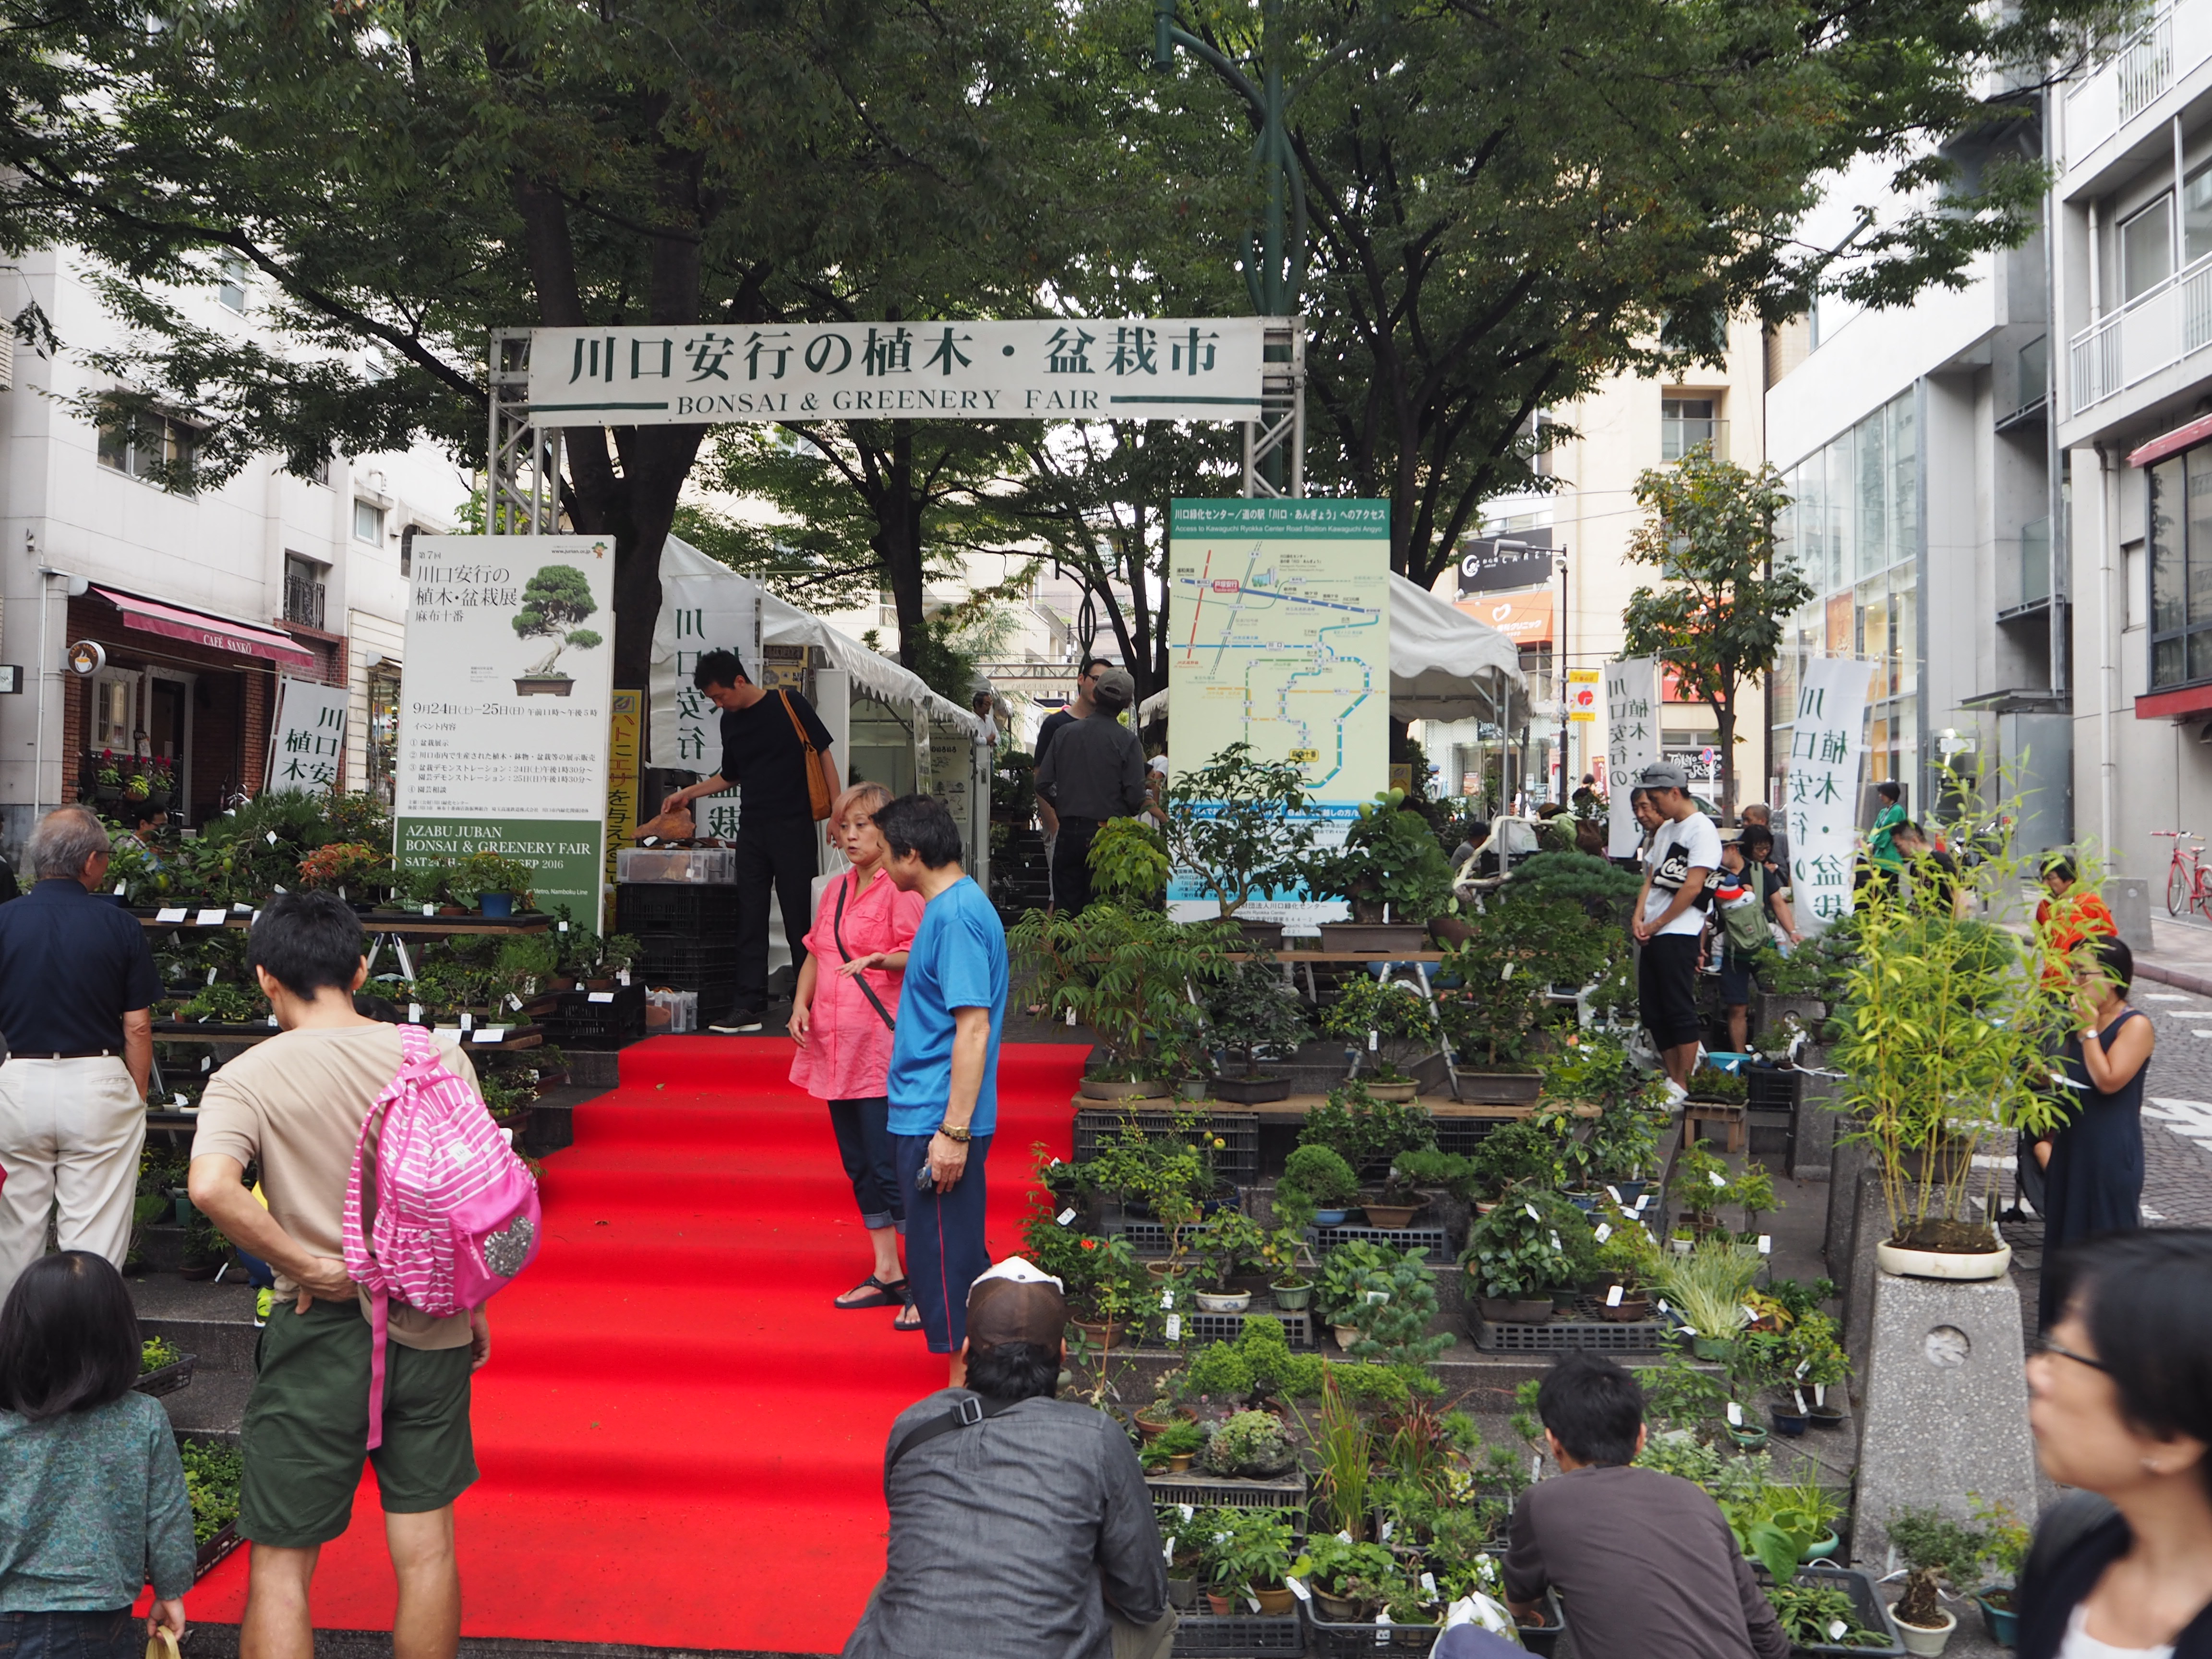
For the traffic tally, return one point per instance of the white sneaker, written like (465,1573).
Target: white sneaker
(1676,1095)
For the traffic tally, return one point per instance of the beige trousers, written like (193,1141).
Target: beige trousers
(1153,1641)
(70,1135)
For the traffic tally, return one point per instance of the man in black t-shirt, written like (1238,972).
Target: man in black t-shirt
(1938,888)
(1086,678)
(779,844)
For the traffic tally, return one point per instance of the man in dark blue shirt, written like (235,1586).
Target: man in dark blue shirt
(766,737)
(76,994)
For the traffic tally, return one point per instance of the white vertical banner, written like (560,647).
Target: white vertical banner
(306,739)
(1632,743)
(1822,787)
(704,606)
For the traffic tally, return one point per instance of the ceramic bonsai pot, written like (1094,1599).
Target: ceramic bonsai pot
(1292,1298)
(1223,1301)
(1629,1310)
(2002,1623)
(1260,935)
(1958,1265)
(1501,1088)
(1824,1417)
(1179,1463)
(1345,1335)
(1330,1218)
(1401,1093)
(1251,1090)
(1408,936)
(1503,1311)
(1107,1088)
(1923,1640)
(1182,1593)
(1391,1215)
(1274,1603)
(1788,1420)
(495,904)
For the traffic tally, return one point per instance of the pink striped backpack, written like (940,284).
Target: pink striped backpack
(456,1212)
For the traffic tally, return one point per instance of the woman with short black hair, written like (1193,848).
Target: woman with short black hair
(2120,1397)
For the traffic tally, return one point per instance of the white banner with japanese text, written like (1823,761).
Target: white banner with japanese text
(1822,787)
(1043,369)
(307,739)
(506,715)
(1632,743)
(704,606)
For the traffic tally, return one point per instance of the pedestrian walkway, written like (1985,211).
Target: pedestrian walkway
(2173,986)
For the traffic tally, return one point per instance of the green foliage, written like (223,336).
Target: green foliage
(1392,1308)
(1343,1448)
(1592,1067)
(1518,1150)
(1390,859)
(1599,887)
(1332,1564)
(1228,1242)
(1394,1014)
(479,873)
(213,1475)
(1927,1539)
(1677,1395)
(157,1352)
(2005,1540)
(1494,988)
(1518,1250)
(1250,1443)
(1364,1131)
(1344,1271)
(1708,1286)
(221,1003)
(1717,621)
(1809,1612)
(1248,1548)
(1251,1013)
(1320,1174)
(1129,863)
(1220,1371)
(1125,974)
(1710,1083)
(1701,1178)
(1237,825)
(1169,1171)
(1424,1166)
(555,599)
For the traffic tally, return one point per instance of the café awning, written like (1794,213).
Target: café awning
(214,633)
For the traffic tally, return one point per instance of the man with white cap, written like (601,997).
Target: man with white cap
(1670,919)
(1020,1524)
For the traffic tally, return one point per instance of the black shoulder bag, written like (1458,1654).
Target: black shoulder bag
(837,932)
(964,1414)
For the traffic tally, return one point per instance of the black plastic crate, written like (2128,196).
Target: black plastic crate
(1462,1136)
(685,909)
(1199,1329)
(1233,1636)
(598,1019)
(1772,1090)
(1866,1602)
(1215,1492)
(1237,1161)
(1433,1242)
(1367,1639)
(1579,1327)
(684,964)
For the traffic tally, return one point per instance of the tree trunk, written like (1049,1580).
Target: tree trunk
(898,540)
(1724,714)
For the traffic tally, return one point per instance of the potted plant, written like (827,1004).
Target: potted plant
(1935,1550)
(1366,1133)
(1817,1364)
(1228,1243)
(1129,864)
(1250,1555)
(1250,1445)
(1251,1015)
(1753,1192)
(345,867)
(1944,1041)
(1707,1288)
(1186,1535)
(1341,1575)
(1285,1259)
(1238,826)
(1631,1256)
(1520,1152)
(1317,1181)
(1393,874)
(1514,1257)
(1700,1185)
(1343,1285)
(2005,1543)
(1400,1200)
(498,885)
(1180,1442)
(430,884)
(107,779)
(1389,1019)
(1392,1308)
(1129,974)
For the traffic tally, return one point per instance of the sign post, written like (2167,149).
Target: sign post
(1822,787)
(1632,743)
(504,721)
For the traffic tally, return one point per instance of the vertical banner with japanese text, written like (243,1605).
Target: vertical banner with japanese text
(1632,743)
(306,739)
(505,713)
(1822,787)
(625,749)
(704,606)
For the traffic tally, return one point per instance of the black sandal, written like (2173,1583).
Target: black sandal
(880,1295)
(900,1324)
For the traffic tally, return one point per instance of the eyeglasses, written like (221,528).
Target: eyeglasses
(2045,1345)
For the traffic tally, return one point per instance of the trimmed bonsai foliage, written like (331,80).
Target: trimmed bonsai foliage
(1522,1149)
(1365,1132)
(1228,1243)
(1252,1014)
(1252,1444)
(1343,1271)
(1391,1013)
(1391,862)
(1520,1249)
(553,600)
(1392,1306)
(1238,825)
(1319,1177)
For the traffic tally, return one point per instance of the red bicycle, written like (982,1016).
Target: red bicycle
(2188,882)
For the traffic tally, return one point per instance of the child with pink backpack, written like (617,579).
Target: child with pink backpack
(395,1210)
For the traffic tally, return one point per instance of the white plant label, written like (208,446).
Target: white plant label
(1613,1193)
(1375,1297)
(1071,1017)
(1065,1216)
(1735,1415)
(211,918)
(622,978)
(562,928)
(1663,1307)
(1641,1198)
(1536,1466)
(1803,1366)
(1555,1240)
(1190,1513)
(1529,1210)
(1054,1164)
(1820,1393)
(1374,1041)
(1251,1601)
(207,1062)
(1175,1328)
(1750,1314)
(430,909)
(1716,1177)
(1766,1244)
(269,835)
(1167,1550)
(413,1013)
(1298,1587)
(1837,1628)
(1800,1395)
(598,996)
(1167,1300)
(1429,1583)
(468,1021)
(1388,1528)
(1506,972)
(172,912)
(182,1101)
(1612,1297)
(210,978)
(1602,1232)
(492,1034)
(119,890)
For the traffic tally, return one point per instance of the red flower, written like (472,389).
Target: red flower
(1090,1244)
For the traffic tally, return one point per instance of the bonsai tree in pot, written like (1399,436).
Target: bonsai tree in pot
(1707,1287)
(1344,1271)
(1392,1308)
(1700,1187)
(1514,1259)
(1129,974)
(554,601)
(1628,1253)
(1239,829)
(1390,868)
(1315,1183)
(495,883)
(1250,1555)
(1937,1551)
(1390,1020)
(1251,1015)
(1366,1133)
(1227,1243)
(1512,1154)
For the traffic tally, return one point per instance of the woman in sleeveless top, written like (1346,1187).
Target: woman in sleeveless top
(2093,1168)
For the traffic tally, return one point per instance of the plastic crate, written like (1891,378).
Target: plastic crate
(1462,1136)
(1866,1601)
(690,865)
(1238,1162)
(684,964)
(1202,1327)
(1214,1492)
(1368,1638)
(690,910)
(1772,1090)
(1579,1329)
(598,1019)
(1233,1636)
(1433,1242)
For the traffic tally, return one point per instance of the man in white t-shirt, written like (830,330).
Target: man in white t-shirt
(1670,916)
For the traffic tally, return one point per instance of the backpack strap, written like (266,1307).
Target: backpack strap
(417,1052)
(965,1414)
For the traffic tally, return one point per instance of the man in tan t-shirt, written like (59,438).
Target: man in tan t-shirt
(296,1104)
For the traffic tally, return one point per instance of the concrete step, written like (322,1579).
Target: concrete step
(212,1407)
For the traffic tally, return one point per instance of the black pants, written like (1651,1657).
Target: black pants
(1070,864)
(781,853)
(864,1146)
(72,1635)
(1666,989)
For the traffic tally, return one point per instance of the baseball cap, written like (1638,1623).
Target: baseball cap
(1015,1301)
(1662,775)
(1115,688)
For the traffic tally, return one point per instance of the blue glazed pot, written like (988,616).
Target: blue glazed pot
(1330,1218)
(495,904)
(2002,1623)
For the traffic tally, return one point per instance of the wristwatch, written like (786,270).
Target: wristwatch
(954,1132)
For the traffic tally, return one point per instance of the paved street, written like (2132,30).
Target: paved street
(2177,1096)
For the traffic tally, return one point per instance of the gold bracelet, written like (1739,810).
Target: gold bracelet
(954,1132)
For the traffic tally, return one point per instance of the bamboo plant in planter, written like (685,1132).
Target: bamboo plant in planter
(1129,974)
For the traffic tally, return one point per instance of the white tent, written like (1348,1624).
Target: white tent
(873,673)
(1444,665)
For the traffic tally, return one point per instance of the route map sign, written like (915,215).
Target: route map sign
(1280,638)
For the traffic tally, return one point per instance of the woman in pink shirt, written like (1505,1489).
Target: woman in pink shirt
(840,1019)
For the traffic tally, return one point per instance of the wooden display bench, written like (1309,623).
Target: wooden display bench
(1727,1119)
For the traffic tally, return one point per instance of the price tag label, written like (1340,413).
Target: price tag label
(1387,1528)
(1374,1041)
(1429,1583)
(1766,1244)
(1716,1177)
(514,1002)
(413,1013)
(562,928)
(210,978)
(1175,1328)
(1529,1210)
(622,979)
(1613,1193)
(1803,1366)
(1612,1297)
(468,1021)
(207,1062)
(1602,1232)
(1506,972)
(1298,1587)
(171,913)
(1167,1300)
(600,996)
(1735,1415)
(1641,1198)
(1663,1307)
(119,890)
(269,835)
(1071,1017)
(182,1101)
(1800,1395)
(430,909)
(1555,1240)
(1167,1550)
(1189,1514)
(1054,1164)
(210,918)
(1066,1216)
(1750,1314)
(1251,1601)
(1820,1393)
(1837,1628)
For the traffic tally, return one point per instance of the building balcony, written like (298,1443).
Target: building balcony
(2146,64)
(2152,331)
(2024,571)
(304,601)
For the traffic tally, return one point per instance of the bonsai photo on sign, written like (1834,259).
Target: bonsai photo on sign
(554,601)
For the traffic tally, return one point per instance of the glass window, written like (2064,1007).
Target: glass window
(1903,633)
(1684,424)
(1873,551)
(1904,481)
(368,523)
(230,287)
(2165,531)
(2147,248)
(141,444)
(2196,215)
(2199,540)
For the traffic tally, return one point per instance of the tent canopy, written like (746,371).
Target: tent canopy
(873,673)
(1444,665)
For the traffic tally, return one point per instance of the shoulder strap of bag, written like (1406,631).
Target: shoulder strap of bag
(817,786)
(837,932)
(964,1414)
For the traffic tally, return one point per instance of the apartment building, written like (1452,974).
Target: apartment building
(190,603)
(2134,292)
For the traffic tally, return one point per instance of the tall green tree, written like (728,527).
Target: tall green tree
(401,178)
(1717,622)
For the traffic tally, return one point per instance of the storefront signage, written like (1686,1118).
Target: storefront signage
(506,714)
(624,752)
(1585,692)
(1043,369)
(1524,618)
(1498,564)
(306,739)
(1820,787)
(87,658)
(1632,743)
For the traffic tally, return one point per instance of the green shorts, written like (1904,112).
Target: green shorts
(307,1426)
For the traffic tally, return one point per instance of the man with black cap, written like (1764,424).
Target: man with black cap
(1094,771)
(1670,919)
(1020,1524)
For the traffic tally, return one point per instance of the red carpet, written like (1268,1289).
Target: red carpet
(681,1440)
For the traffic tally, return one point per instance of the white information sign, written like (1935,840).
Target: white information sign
(1822,787)
(704,606)
(1632,743)
(1043,369)
(307,739)
(505,718)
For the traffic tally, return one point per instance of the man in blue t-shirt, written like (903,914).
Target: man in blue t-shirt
(944,1084)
